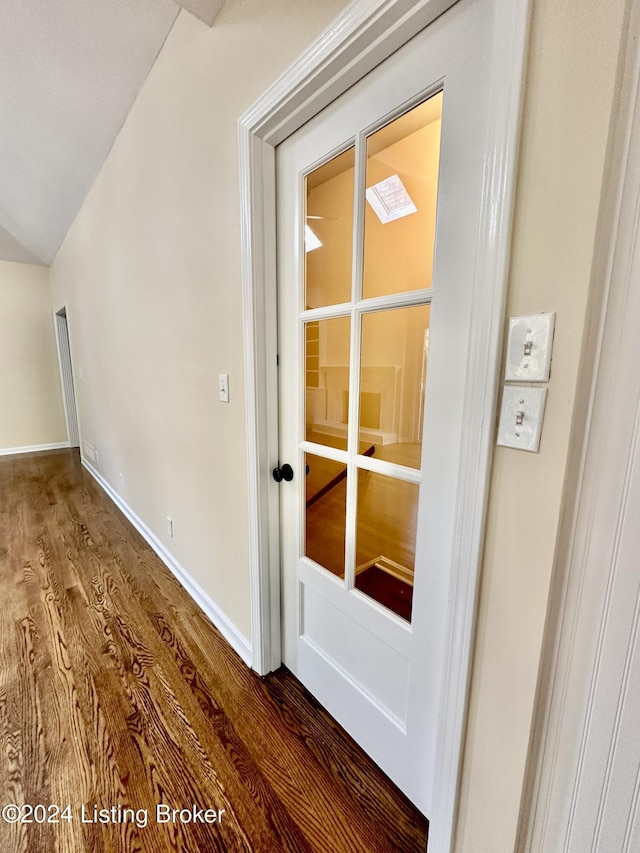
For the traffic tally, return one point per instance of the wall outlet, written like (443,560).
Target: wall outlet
(170,527)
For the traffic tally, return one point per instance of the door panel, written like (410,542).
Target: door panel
(391,377)
(386,518)
(329,225)
(374,320)
(327,359)
(325,512)
(402,165)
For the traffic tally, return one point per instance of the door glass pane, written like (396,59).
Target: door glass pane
(326,503)
(329,232)
(386,540)
(392,380)
(401,192)
(327,344)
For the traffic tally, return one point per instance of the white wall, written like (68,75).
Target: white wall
(31,413)
(150,272)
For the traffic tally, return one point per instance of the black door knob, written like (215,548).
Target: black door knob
(284,473)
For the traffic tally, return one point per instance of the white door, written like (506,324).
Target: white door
(379,204)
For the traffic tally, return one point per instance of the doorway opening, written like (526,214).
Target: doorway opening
(316,82)
(66,376)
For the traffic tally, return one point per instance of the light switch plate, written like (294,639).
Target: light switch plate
(223,387)
(521,416)
(529,348)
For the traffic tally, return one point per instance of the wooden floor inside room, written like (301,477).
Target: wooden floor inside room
(117,693)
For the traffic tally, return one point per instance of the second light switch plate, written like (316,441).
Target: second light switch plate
(521,417)
(529,348)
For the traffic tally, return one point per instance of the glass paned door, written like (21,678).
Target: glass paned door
(386,285)
(368,246)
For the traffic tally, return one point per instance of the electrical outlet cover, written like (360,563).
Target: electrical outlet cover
(536,331)
(526,405)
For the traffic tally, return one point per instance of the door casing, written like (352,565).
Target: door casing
(365,34)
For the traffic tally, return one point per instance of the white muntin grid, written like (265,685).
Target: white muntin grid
(355,309)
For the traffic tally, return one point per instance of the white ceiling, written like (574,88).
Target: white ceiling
(69,72)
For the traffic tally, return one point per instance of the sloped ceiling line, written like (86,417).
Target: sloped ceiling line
(69,73)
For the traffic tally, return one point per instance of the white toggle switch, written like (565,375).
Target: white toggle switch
(529,348)
(223,387)
(521,417)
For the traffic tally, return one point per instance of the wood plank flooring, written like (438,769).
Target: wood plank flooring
(117,694)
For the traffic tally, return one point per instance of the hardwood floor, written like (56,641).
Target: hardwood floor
(117,693)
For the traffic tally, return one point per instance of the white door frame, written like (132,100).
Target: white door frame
(66,376)
(588,561)
(365,34)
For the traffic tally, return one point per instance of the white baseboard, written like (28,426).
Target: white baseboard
(33,448)
(228,630)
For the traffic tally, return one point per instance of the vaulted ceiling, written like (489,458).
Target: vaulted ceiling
(70,71)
